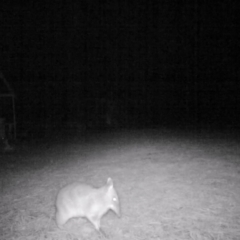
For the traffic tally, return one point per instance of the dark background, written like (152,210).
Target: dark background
(153,63)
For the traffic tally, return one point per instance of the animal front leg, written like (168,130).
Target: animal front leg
(103,233)
(96,223)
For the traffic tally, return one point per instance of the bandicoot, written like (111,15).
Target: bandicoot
(81,200)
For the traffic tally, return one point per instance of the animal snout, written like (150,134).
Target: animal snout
(117,211)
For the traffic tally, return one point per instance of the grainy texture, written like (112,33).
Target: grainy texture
(171,186)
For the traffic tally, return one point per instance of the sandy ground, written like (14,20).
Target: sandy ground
(172,185)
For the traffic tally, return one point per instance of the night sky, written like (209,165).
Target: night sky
(156,61)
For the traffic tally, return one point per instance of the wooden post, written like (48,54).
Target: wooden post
(14,119)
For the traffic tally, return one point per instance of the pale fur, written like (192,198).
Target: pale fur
(81,200)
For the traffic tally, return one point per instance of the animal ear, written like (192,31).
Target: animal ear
(109,182)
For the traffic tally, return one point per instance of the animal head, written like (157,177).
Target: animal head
(112,197)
